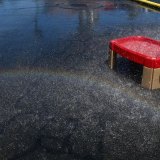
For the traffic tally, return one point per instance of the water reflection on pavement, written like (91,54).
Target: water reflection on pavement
(59,99)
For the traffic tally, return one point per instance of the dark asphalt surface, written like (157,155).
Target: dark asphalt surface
(58,98)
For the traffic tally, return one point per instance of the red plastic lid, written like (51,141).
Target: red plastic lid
(142,50)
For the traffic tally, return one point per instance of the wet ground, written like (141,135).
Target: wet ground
(58,98)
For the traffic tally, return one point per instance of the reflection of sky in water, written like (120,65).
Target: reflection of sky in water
(30,28)
(124,17)
(58,25)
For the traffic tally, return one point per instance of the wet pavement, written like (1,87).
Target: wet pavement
(58,98)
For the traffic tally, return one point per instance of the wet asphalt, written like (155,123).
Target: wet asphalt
(58,98)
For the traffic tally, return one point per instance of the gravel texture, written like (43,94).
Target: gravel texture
(58,98)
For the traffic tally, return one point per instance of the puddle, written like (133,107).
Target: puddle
(58,98)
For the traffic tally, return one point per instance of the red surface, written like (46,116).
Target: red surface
(139,49)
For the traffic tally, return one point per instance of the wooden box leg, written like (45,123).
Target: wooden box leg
(147,77)
(112,59)
(151,78)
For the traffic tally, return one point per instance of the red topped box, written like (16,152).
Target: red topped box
(139,49)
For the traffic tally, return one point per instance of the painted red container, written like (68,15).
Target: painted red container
(139,49)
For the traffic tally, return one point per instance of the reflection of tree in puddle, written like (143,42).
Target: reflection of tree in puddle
(88,15)
(67,45)
(87,19)
(37,30)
